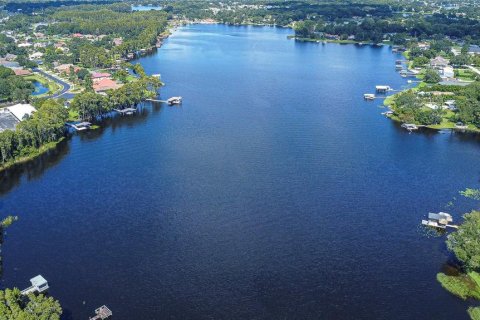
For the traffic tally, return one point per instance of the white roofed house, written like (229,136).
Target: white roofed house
(21,111)
(447,73)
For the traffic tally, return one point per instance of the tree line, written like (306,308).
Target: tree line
(44,126)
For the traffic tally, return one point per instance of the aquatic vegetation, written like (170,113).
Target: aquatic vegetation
(463,286)
(474,313)
(471,193)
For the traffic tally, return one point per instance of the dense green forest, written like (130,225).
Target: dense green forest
(12,87)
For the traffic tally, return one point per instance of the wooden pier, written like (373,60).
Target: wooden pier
(80,126)
(156,100)
(102,313)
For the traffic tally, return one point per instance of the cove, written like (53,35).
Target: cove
(275,191)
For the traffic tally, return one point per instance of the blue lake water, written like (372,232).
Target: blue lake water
(39,88)
(274,192)
(145,8)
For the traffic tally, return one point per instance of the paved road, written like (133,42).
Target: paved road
(62,83)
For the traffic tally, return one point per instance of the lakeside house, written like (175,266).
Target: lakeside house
(105,84)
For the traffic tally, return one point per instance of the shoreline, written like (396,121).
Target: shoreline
(38,152)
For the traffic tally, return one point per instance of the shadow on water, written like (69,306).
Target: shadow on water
(33,169)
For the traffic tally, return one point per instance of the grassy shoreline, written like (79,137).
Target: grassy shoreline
(330,41)
(34,154)
(446,123)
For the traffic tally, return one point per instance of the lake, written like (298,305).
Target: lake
(274,192)
(145,8)
(39,88)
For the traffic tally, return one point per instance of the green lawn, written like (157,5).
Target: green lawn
(465,74)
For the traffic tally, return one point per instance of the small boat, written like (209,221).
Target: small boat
(410,126)
(368,96)
(174,100)
(387,113)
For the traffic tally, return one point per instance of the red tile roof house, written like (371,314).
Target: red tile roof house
(100,75)
(22,72)
(105,84)
(77,35)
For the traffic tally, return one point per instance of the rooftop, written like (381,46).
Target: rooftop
(21,110)
(7,121)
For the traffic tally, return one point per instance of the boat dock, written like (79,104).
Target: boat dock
(39,285)
(439,220)
(410,126)
(80,126)
(382,88)
(174,100)
(126,111)
(102,313)
(156,100)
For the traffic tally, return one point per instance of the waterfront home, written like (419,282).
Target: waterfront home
(105,84)
(439,62)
